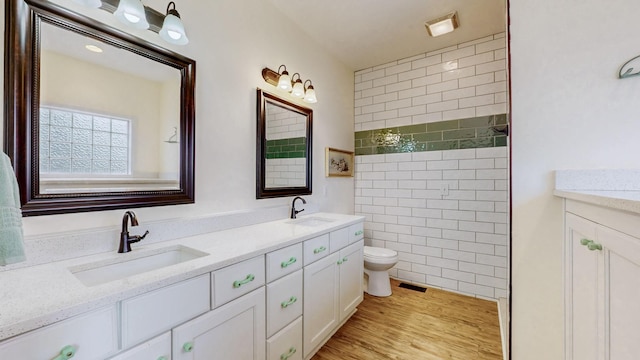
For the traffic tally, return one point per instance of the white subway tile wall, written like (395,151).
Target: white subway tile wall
(448,233)
(462,81)
(444,212)
(285,172)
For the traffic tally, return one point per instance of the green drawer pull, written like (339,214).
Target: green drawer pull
(585,241)
(292,300)
(162,358)
(594,246)
(187,347)
(291,261)
(248,279)
(319,250)
(67,352)
(292,351)
(359,232)
(345,259)
(340,262)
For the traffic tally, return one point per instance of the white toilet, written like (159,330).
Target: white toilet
(377,262)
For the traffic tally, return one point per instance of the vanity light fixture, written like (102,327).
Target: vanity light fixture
(309,93)
(292,84)
(131,12)
(442,25)
(284,82)
(172,28)
(93,48)
(90,3)
(298,88)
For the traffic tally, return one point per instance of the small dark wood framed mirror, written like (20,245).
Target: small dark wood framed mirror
(94,131)
(283,147)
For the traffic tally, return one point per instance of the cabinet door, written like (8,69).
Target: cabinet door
(350,265)
(158,348)
(583,303)
(321,301)
(90,336)
(233,331)
(622,270)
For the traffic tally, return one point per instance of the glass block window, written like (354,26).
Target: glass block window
(73,142)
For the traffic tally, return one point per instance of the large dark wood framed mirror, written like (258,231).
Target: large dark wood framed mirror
(91,131)
(283,147)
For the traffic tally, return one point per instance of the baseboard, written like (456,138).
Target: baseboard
(503,316)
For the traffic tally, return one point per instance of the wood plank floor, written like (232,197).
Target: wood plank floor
(413,325)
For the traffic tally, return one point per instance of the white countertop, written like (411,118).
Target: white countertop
(36,296)
(617,189)
(619,200)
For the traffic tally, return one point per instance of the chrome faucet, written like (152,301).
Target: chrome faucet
(295,212)
(125,239)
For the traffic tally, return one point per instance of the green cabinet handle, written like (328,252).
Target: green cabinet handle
(292,351)
(291,261)
(162,358)
(359,232)
(248,279)
(291,301)
(594,246)
(188,346)
(343,260)
(590,244)
(319,250)
(67,352)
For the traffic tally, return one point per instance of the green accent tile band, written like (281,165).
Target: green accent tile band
(286,148)
(469,133)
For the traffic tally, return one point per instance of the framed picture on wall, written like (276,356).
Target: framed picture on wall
(338,162)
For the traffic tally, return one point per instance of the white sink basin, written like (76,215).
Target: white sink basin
(310,221)
(101,272)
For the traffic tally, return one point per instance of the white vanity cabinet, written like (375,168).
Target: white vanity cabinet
(279,305)
(602,283)
(85,337)
(332,290)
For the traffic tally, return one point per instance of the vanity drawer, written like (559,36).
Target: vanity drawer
(154,349)
(356,232)
(152,313)
(90,336)
(316,248)
(287,344)
(338,239)
(284,301)
(236,280)
(284,261)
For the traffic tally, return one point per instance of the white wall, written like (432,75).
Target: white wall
(232,41)
(569,111)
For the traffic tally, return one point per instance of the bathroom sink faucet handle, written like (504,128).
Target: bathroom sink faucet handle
(136,238)
(295,212)
(125,239)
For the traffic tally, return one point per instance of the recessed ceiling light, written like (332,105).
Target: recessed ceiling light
(442,25)
(93,48)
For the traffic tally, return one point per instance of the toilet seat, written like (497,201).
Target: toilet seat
(373,253)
